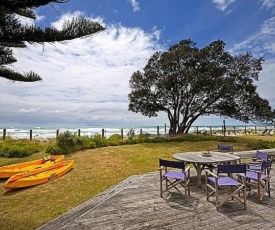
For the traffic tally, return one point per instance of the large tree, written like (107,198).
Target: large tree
(187,82)
(14,34)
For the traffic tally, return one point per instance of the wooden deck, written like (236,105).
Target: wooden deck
(135,203)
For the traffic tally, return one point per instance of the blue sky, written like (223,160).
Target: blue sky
(86,81)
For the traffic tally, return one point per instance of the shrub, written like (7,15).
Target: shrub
(99,141)
(66,142)
(19,148)
(143,137)
(131,134)
(53,149)
(261,145)
(114,140)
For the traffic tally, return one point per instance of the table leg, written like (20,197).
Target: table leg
(198,168)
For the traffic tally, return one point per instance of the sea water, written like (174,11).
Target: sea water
(107,131)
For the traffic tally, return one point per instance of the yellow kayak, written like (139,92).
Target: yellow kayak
(30,178)
(38,165)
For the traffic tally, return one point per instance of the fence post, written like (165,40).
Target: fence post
(197,130)
(234,130)
(158,131)
(102,134)
(165,128)
(224,128)
(244,129)
(210,130)
(31,134)
(141,131)
(255,129)
(121,131)
(4,134)
(79,132)
(57,132)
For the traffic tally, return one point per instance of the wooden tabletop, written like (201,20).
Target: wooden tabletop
(200,161)
(198,158)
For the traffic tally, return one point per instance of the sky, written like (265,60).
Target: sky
(86,80)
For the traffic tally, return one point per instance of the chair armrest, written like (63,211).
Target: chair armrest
(187,169)
(256,160)
(211,173)
(161,168)
(241,174)
(241,177)
(255,171)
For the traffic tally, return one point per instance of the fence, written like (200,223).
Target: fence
(156,131)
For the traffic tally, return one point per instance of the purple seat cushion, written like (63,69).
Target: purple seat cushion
(175,175)
(254,176)
(224,181)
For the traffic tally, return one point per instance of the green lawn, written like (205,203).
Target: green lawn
(95,170)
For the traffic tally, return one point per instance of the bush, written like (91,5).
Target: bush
(261,145)
(19,148)
(53,150)
(66,142)
(99,141)
(114,140)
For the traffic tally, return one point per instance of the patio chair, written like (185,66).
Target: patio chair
(224,181)
(260,178)
(256,163)
(225,148)
(221,148)
(173,175)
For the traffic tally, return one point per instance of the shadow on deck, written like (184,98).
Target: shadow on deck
(135,203)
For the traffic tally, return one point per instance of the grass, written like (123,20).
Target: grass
(95,170)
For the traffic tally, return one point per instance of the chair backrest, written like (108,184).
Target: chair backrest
(262,155)
(235,168)
(172,164)
(226,148)
(266,165)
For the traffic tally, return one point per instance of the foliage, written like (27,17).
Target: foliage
(131,134)
(68,142)
(187,82)
(99,141)
(53,149)
(261,144)
(114,140)
(14,34)
(19,148)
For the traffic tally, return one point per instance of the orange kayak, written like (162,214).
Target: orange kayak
(31,178)
(38,165)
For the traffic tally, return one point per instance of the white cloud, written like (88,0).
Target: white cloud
(261,43)
(135,5)
(268,3)
(85,80)
(222,4)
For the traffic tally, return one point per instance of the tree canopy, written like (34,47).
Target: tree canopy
(187,82)
(14,34)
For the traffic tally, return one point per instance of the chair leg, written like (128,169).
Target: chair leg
(161,179)
(217,195)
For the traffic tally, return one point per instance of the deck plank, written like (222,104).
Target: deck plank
(135,203)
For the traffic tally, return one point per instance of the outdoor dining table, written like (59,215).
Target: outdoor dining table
(200,161)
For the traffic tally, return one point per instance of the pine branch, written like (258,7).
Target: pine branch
(6,56)
(12,5)
(76,28)
(25,13)
(15,76)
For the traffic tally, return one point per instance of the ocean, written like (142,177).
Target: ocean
(51,132)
